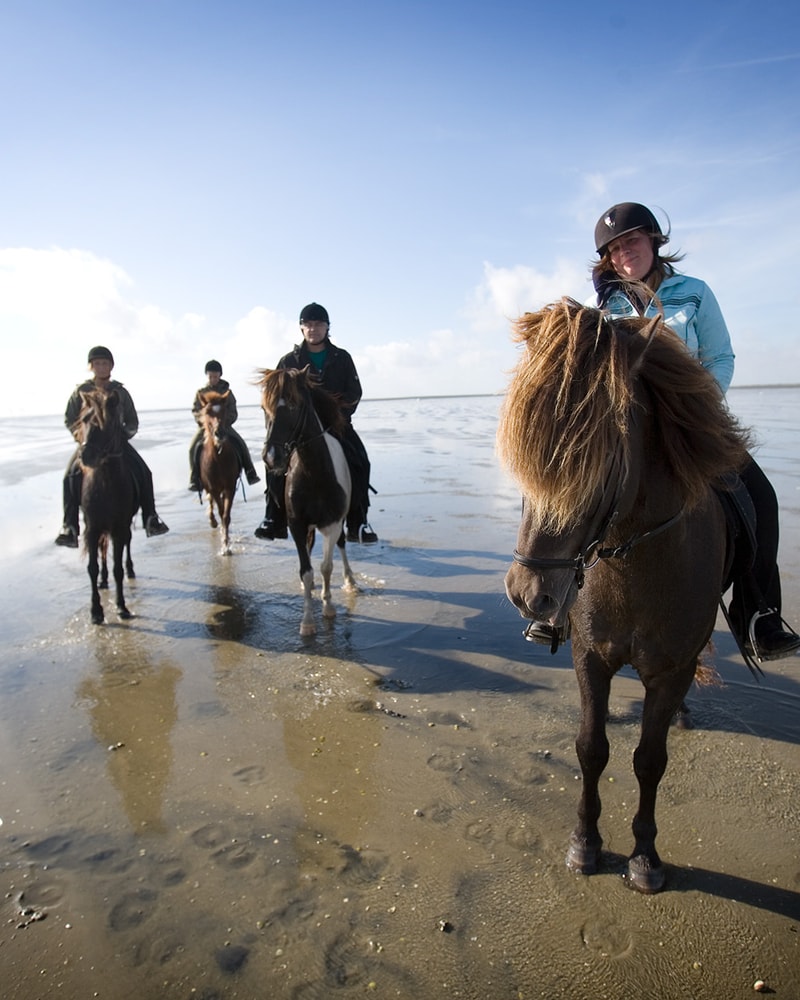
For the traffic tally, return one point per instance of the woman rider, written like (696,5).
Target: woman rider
(631,279)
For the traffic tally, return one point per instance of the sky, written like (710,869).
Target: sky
(178,179)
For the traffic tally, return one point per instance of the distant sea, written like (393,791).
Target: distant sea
(403,436)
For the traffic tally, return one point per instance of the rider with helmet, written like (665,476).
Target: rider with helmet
(101,361)
(633,278)
(336,372)
(216,383)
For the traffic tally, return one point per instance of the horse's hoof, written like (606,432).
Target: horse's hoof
(329,611)
(124,613)
(97,618)
(644,876)
(583,858)
(103,585)
(308,630)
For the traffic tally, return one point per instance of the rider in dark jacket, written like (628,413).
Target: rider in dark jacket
(337,373)
(101,362)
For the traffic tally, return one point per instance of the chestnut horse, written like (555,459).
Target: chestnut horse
(108,495)
(619,440)
(303,425)
(220,465)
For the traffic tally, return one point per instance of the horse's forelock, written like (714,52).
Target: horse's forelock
(566,409)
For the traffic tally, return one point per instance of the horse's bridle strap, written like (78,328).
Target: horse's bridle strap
(580,564)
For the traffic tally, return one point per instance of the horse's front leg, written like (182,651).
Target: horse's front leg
(594,683)
(663,698)
(225,526)
(212,501)
(93,569)
(129,562)
(103,546)
(119,575)
(300,536)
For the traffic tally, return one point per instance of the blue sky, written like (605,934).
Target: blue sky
(179,178)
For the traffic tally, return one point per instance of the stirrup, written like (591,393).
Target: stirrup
(546,634)
(760,649)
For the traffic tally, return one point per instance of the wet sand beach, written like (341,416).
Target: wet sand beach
(200,804)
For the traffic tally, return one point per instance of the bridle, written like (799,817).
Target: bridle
(591,553)
(295,439)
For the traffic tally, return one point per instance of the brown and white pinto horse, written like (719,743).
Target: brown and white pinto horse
(618,438)
(303,424)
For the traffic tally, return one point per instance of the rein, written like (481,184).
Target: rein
(580,563)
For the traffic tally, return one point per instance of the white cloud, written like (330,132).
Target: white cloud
(55,304)
(506,293)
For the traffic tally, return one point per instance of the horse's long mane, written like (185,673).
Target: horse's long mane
(291,385)
(574,393)
(101,410)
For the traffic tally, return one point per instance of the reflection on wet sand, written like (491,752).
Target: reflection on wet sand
(132,705)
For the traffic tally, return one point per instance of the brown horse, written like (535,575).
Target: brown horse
(303,425)
(619,440)
(108,497)
(220,465)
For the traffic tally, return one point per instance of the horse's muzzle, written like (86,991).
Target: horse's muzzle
(539,599)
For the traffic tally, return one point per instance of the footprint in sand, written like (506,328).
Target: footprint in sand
(253,774)
(606,938)
(132,910)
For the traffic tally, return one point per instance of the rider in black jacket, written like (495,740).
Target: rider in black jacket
(337,373)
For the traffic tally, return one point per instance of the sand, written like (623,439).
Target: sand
(199,803)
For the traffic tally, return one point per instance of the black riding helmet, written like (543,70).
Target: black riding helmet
(100,352)
(213,366)
(626,217)
(314,313)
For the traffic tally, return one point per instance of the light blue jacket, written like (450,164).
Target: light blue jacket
(692,311)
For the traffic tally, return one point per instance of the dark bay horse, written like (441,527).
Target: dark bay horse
(303,421)
(619,439)
(108,497)
(219,465)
